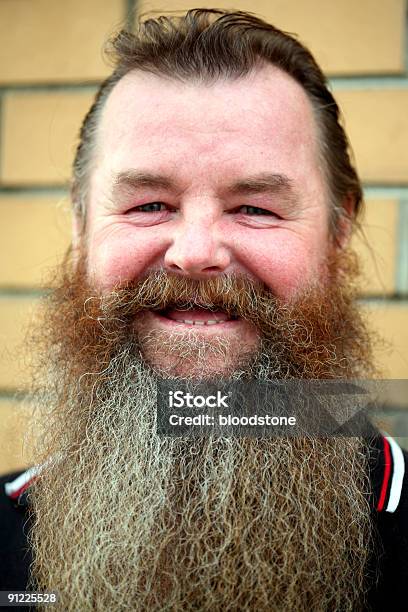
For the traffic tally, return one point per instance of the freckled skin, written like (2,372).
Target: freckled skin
(205,137)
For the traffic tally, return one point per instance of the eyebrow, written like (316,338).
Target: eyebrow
(261,183)
(135,179)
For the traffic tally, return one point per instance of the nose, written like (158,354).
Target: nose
(197,251)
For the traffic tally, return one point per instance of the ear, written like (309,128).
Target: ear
(77,222)
(345,222)
(77,231)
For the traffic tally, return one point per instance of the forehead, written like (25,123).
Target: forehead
(264,118)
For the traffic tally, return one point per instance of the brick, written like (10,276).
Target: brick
(48,41)
(396,397)
(377,124)
(346,37)
(377,247)
(396,425)
(16,316)
(40,132)
(35,235)
(14,418)
(391,323)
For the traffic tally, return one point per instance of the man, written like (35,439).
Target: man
(213,202)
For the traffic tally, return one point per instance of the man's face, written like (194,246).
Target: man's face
(203,180)
(197,183)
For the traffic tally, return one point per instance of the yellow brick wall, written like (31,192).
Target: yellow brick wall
(50,65)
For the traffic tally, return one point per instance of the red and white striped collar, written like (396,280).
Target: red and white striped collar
(393,471)
(19,485)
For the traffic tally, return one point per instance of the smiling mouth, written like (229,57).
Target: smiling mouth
(196,316)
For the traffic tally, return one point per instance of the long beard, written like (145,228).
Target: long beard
(126,519)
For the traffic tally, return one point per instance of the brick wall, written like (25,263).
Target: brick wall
(50,65)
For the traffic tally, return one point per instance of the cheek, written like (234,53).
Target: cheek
(285,262)
(119,256)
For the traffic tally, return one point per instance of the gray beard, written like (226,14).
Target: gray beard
(125,519)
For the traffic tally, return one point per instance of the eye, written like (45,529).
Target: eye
(254,210)
(150,207)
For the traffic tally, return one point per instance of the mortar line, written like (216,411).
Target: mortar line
(402,249)
(367,82)
(10,292)
(33,88)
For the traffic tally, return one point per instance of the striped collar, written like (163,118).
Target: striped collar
(387,466)
(17,489)
(387,470)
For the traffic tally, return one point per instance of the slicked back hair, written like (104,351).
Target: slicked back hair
(205,45)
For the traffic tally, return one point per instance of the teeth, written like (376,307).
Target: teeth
(190,322)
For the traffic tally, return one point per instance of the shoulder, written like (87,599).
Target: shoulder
(392,494)
(14,526)
(390,485)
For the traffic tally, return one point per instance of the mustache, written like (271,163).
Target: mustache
(237,295)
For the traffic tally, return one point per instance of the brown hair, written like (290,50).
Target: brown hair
(204,45)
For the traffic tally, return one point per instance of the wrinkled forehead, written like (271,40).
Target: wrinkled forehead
(265,107)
